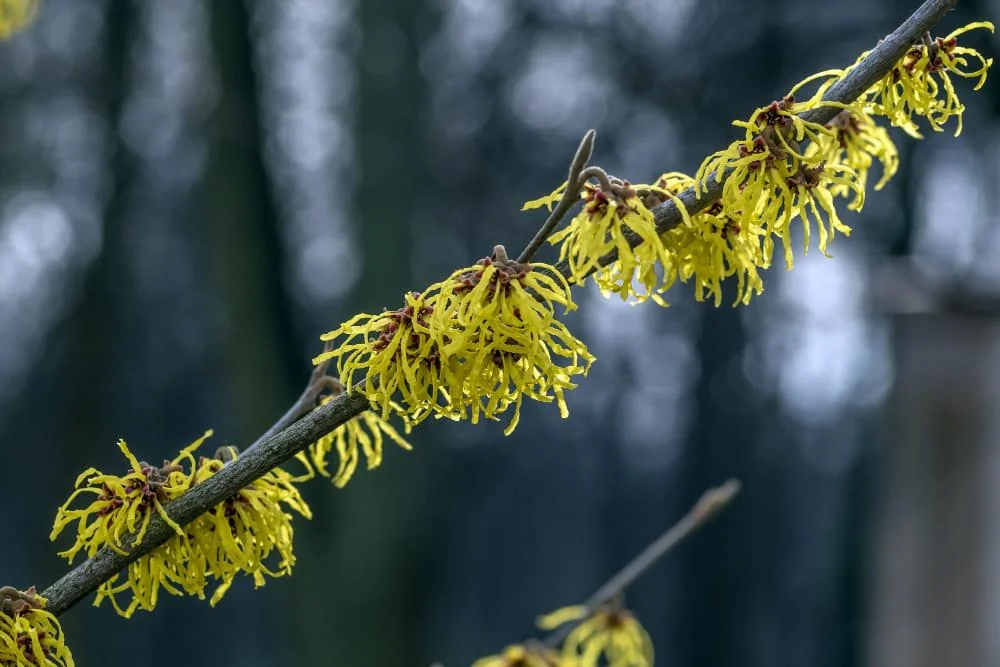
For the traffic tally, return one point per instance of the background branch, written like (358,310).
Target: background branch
(711,503)
(271,451)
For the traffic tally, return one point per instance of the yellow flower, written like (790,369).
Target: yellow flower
(807,195)
(364,433)
(398,354)
(15,15)
(124,504)
(713,246)
(772,180)
(122,508)
(610,633)
(29,635)
(612,214)
(920,84)
(770,152)
(519,655)
(781,125)
(858,142)
(505,338)
(240,534)
(470,346)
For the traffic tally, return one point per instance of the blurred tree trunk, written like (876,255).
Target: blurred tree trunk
(90,329)
(262,367)
(89,340)
(715,591)
(368,579)
(932,592)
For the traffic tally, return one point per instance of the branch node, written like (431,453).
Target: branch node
(574,182)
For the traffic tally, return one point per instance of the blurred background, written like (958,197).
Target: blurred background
(192,192)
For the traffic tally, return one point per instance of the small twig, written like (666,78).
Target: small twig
(711,503)
(602,177)
(573,185)
(319,382)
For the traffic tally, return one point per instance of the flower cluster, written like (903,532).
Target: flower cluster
(398,356)
(244,533)
(238,535)
(123,505)
(469,347)
(15,15)
(920,84)
(610,636)
(772,181)
(614,219)
(856,143)
(29,635)
(712,246)
(784,169)
(520,655)
(364,434)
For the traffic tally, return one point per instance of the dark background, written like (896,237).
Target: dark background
(191,192)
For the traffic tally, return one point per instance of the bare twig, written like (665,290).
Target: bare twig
(711,503)
(281,446)
(573,185)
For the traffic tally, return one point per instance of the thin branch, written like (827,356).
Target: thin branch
(573,185)
(86,577)
(711,503)
(319,382)
(876,65)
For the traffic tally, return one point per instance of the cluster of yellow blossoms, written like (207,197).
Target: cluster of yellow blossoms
(29,635)
(249,533)
(479,342)
(609,636)
(469,347)
(921,85)
(238,535)
(784,169)
(362,435)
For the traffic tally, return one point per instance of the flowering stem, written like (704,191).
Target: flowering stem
(86,577)
(711,503)
(863,76)
(573,184)
(269,452)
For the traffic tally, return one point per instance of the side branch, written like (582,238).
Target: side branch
(573,184)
